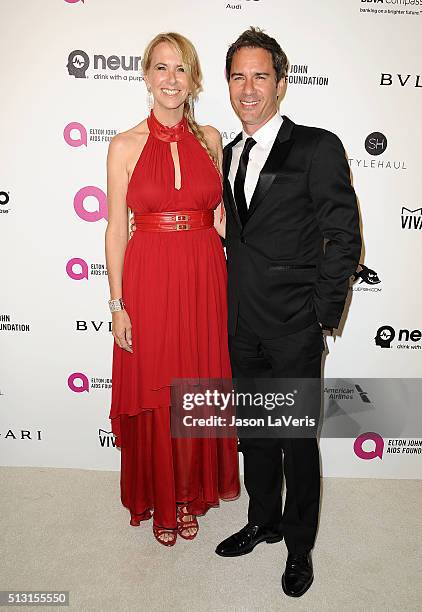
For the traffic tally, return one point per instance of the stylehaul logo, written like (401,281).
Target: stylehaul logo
(375,145)
(78,382)
(79,203)
(76,134)
(407,339)
(411,219)
(78,269)
(112,67)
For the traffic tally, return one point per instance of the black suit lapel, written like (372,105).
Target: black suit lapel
(228,193)
(274,163)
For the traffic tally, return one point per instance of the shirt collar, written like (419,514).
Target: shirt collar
(267,133)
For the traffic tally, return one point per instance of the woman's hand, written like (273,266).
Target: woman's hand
(122,330)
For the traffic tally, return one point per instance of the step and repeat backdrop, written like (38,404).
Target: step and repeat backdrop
(71,79)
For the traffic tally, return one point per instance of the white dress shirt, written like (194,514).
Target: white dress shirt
(264,138)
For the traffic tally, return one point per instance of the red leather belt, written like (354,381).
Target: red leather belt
(180,220)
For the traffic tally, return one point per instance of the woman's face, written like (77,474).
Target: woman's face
(166,78)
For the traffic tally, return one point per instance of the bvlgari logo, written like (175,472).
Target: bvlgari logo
(401,80)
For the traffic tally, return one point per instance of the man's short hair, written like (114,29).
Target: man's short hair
(255,37)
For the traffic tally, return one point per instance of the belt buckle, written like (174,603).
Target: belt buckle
(182,226)
(182,217)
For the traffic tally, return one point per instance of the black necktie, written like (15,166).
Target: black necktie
(239,181)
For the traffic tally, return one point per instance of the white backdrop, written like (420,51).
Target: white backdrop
(355,72)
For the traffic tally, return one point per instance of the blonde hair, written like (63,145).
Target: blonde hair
(192,67)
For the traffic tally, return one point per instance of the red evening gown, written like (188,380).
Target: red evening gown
(174,288)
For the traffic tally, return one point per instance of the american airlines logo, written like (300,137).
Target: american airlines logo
(411,219)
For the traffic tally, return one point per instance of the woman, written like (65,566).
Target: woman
(168,296)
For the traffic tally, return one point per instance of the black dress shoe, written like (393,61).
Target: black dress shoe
(245,540)
(298,575)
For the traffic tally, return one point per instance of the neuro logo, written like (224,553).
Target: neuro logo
(385,335)
(366,275)
(375,143)
(81,268)
(77,64)
(70,138)
(377,450)
(83,384)
(79,204)
(411,219)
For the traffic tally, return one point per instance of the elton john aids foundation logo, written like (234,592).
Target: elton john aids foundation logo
(77,268)
(75,134)
(376,450)
(78,382)
(79,204)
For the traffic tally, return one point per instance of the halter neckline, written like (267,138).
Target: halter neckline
(165,133)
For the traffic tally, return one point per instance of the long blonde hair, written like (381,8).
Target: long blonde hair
(192,67)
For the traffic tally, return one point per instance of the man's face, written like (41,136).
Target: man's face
(253,88)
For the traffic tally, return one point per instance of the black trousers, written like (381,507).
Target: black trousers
(296,355)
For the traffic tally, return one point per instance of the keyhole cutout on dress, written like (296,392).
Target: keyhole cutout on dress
(176,163)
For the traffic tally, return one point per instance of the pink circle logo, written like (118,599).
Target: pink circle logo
(73,1)
(377,451)
(79,204)
(70,138)
(77,274)
(78,388)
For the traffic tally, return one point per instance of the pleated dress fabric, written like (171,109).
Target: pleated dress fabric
(175,289)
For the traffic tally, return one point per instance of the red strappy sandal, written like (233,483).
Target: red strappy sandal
(159,531)
(184,525)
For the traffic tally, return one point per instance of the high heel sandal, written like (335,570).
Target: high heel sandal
(159,531)
(185,525)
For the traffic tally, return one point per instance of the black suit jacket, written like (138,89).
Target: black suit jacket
(290,264)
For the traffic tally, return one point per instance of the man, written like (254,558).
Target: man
(292,241)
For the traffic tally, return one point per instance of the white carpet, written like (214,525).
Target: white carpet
(66,529)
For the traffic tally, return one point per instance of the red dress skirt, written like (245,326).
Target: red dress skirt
(175,291)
